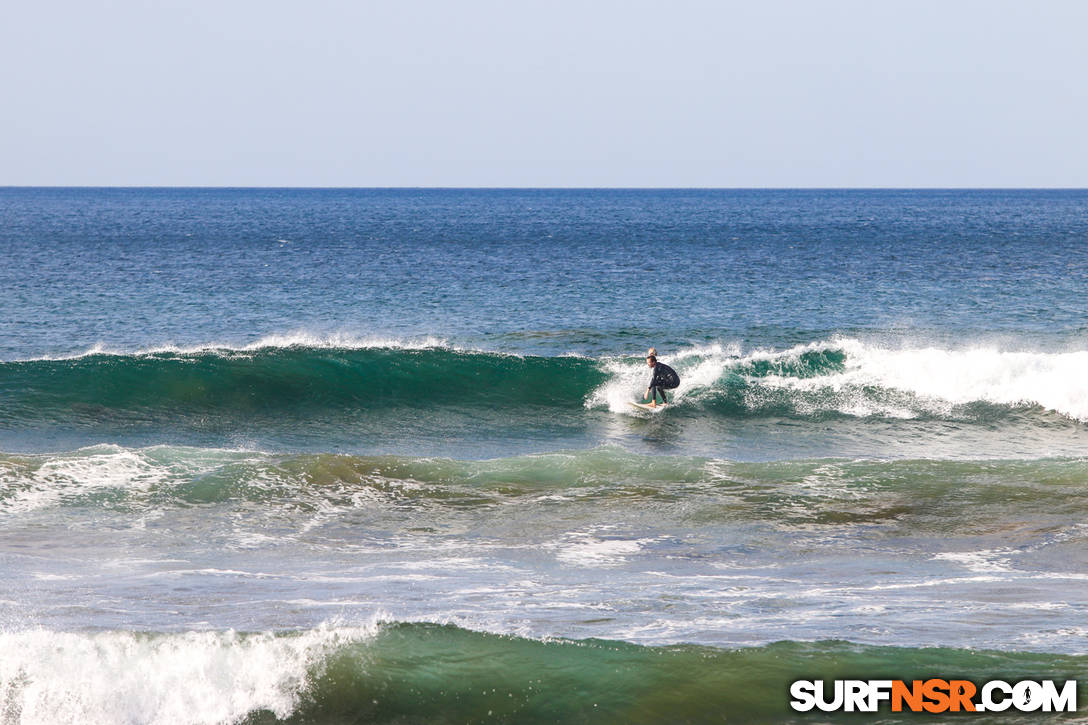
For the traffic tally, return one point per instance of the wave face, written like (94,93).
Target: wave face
(836,398)
(292,380)
(841,377)
(424,673)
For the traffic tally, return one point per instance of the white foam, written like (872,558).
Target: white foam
(28,485)
(1044,606)
(698,367)
(984,561)
(82,472)
(1057,639)
(178,679)
(334,341)
(938,379)
(929,380)
(213,572)
(587,549)
(1052,380)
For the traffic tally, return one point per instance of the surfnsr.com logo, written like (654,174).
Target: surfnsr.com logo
(934,695)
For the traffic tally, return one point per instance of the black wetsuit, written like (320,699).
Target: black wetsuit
(665,378)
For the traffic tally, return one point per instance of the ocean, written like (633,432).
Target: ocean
(352,456)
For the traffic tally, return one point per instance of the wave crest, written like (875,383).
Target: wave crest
(302,378)
(846,376)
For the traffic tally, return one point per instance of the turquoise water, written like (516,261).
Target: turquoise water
(367,455)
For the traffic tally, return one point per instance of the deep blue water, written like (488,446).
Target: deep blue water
(545,271)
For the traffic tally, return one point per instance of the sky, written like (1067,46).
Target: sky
(767,93)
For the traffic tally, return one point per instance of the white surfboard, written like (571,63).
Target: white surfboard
(647,408)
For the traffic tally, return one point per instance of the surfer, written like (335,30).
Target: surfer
(665,378)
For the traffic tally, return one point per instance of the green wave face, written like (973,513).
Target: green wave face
(437,400)
(295,381)
(809,364)
(430,673)
(223,388)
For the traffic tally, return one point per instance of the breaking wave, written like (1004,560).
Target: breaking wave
(300,378)
(399,672)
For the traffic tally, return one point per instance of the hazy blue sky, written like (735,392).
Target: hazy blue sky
(517,93)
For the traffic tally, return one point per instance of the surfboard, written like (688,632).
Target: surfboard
(647,408)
